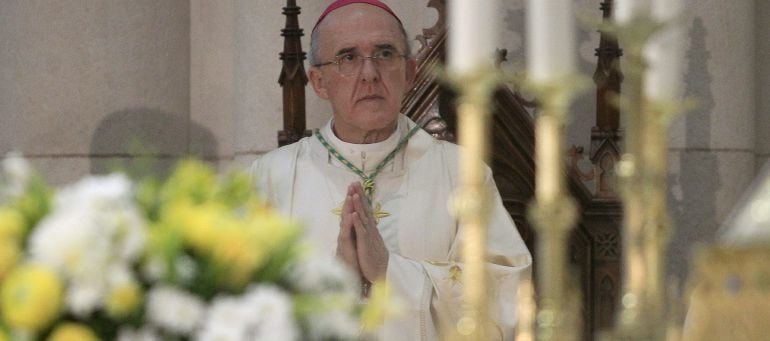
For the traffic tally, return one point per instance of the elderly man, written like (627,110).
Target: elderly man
(373,188)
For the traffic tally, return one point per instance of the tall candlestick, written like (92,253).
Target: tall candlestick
(551,39)
(550,66)
(473,34)
(472,38)
(665,53)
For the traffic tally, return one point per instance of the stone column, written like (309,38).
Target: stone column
(212,79)
(712,148)
(88,85)
(762,91)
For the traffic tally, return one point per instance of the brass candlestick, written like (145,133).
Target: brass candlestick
(554,212)
(642,172)
(472,202)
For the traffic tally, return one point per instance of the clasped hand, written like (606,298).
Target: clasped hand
(359,243)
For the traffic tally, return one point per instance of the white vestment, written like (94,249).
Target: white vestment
(304,181)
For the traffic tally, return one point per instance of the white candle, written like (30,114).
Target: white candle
(550,39)
(473,33)
(665,54)
(625,10)
(548,172)
(667,9)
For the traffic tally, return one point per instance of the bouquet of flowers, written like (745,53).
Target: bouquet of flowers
(195,257)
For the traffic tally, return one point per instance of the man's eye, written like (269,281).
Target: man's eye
(346,58)
(385,54)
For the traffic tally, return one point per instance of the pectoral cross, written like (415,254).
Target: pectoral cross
(378,212)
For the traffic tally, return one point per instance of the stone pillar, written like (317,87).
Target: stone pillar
(762,91)
(212,78)
(88,85)
(712,148)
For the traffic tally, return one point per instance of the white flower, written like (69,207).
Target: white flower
(332,283)
(335,324)
(83,297)
(319,274)
(71,243)
(264,312)
(226,320)
(94,228)
(174,310)
(79,251)
(186,268)
(119,275)
(15,177)
(154,268)
(272,311)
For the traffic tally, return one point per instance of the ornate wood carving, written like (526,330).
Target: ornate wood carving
(293,78)
(602,220)
(606,135)
(603,214)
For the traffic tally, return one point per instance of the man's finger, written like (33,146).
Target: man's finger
(363,212)
(345,231)
(358,224)
(346,243)
(369,212)
(354,188)
(347,209)
(347,206)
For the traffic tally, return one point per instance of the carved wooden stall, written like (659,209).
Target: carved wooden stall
(595,245)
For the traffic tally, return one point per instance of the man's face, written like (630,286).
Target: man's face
(369,99)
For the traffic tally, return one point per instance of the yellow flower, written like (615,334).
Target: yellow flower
(236,249)
(272,230)
(235,189)
(191,179)
(199,224)
(382,305)
(123,299)
(31,298)
(72,332)
(11,224)
(9,256)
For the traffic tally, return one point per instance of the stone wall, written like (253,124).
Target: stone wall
(89,85)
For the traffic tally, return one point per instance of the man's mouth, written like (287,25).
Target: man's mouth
(369,98)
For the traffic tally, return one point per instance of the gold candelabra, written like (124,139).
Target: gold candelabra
(642,174)
(472,202)
(554,213)
(555,314)
(728,276)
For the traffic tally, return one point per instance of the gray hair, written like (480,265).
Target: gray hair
(315,59)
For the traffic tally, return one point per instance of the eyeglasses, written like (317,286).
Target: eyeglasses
(348,64)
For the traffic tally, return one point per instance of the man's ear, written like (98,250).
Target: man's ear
(317,81)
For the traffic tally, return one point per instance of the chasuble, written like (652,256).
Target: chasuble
(304,181)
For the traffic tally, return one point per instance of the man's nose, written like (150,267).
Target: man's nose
(369,70)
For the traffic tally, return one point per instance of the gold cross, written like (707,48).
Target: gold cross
(378,212)
(455,274)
